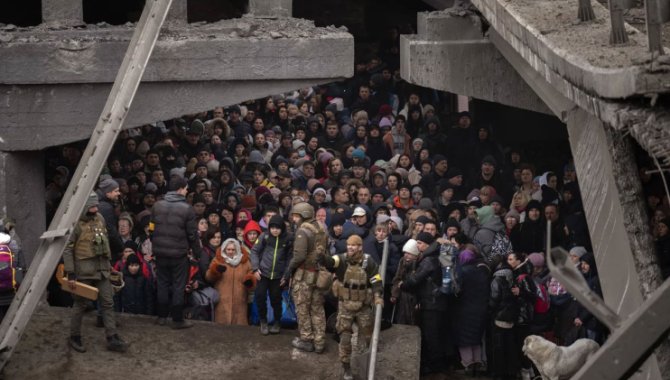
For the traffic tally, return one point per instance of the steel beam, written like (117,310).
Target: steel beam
(106,131)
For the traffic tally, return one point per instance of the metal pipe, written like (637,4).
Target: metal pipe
(378,315)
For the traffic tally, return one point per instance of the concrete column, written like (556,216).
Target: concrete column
(63,12)
(178,12)
(22,196)
(625,258)
(271,8)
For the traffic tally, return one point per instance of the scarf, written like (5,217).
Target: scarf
(233,261)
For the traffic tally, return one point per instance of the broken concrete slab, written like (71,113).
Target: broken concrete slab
(270,8)
(62,13)
(548,35)
(449,25)
(40,116)
(205,351)
(238,49)
(487,75)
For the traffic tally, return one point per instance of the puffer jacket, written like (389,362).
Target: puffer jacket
(272,254)
(425,282)
(175,228)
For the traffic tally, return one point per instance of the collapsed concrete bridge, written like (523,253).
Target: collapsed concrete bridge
(537,55)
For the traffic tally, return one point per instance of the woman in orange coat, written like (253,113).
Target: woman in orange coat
(230,273)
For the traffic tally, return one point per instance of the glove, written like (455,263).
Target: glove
(248,283)
(221,268)
(379,301)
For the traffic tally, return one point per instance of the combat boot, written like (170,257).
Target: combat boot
(75,343)
(346,372)
(275,328)
(264,328)
(302,345)
(114,343)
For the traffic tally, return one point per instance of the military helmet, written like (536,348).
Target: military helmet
(304,209)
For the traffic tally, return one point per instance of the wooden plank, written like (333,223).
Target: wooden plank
(93,159)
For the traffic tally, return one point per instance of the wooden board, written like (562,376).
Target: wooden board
(83,290)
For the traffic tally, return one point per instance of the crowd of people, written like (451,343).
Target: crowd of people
(464,217)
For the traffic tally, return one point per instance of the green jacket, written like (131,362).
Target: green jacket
(87,252)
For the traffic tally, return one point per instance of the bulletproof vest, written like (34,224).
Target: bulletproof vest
(92,240)
(355,284)
(320,242)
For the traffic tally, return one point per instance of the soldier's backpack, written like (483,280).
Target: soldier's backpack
(7,269)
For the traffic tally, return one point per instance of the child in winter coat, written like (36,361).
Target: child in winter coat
(269,262)
(137,296)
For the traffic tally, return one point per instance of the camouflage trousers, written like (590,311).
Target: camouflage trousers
(310,312)
(348,313)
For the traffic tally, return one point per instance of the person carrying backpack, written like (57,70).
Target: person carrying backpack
(269,263)
(489,234)
(542,322)
(11,270)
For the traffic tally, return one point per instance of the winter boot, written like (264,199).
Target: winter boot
(302,345)
(346,372)
(114,343)
(275,328)
(75,343)
(264,328)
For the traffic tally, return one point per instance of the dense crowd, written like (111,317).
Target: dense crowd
(376,158)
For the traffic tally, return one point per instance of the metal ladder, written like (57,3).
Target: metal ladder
(92,161)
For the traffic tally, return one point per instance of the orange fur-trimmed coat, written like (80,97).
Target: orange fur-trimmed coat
(233,294)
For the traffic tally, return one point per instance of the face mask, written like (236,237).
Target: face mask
(301,153)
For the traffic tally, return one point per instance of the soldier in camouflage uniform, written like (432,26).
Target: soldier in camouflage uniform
(309,244)
(86,259)
(357,288)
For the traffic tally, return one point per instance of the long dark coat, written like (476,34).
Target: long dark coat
(471,311)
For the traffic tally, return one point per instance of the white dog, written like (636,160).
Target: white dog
(555,362)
